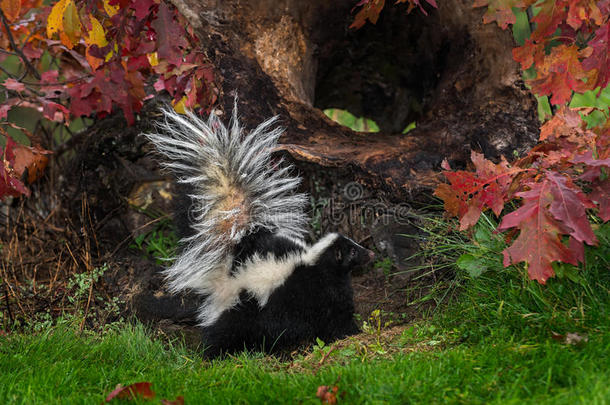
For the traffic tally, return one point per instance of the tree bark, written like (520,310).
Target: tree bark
(276,55)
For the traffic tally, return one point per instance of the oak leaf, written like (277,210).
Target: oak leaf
(140,389)
(560,74)
(599,60)
(539,241)
(501,11)
(469,193)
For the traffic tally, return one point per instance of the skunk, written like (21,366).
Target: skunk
(241,225)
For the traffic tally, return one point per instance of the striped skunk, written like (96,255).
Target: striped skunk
(241,225)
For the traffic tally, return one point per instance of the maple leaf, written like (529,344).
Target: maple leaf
(170,35)
(539,241)
(142,8)
(470,193)
(599,60)
(561,73)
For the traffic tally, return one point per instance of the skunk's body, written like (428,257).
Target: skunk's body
(243,251)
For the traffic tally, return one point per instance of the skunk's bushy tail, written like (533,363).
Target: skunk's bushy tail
(236,190)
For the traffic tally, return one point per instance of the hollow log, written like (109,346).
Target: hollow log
(446,71)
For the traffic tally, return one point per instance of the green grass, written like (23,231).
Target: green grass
(62,367)
(500,340)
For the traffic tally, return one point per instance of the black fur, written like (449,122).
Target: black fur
(316,301)
(263,242)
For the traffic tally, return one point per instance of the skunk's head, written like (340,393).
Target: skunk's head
(343,253)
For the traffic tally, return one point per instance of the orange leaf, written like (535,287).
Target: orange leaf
(11,9)
(33,159)
(561,73)
(141,389)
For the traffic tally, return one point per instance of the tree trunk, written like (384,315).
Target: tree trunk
(446,71)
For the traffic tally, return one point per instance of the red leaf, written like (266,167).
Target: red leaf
(470,193)
(583,11)
(561,73)
(141,389)
(170,35)
(568,206)
(599,59)
(142,8)
(539,241)
(601,196)
(10,184)
(528,54)
(327,394)
(13,84)
(551,15)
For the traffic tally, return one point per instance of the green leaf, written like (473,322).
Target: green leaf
(472,264)
(521,27)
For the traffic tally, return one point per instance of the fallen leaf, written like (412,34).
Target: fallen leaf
(327,394)
(140,389)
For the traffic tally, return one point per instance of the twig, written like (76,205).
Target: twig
(16,49)
(8,306)
(87,258)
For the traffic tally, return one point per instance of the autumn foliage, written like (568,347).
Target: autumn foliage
(562,181)
(78,58)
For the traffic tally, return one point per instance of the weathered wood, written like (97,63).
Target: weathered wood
(270,54)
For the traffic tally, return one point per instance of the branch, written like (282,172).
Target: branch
(16,49)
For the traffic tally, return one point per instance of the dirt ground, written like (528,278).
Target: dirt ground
(69,249)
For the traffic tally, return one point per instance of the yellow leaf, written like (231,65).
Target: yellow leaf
(153,59)
(110,10)
(179,107)
(97,36)
(55,19)
(71,22)
(11,9)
